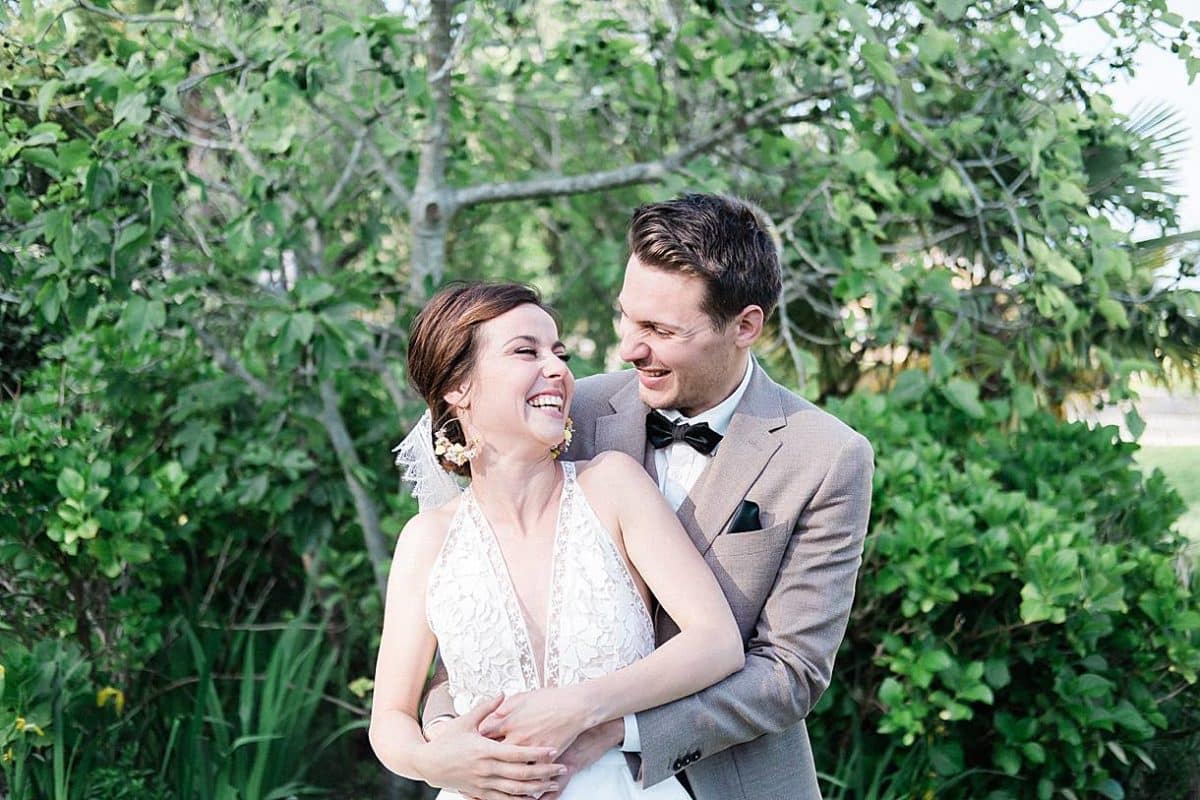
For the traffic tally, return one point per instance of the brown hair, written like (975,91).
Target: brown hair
(724,241)
(443,341)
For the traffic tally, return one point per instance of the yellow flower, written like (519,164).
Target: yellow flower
(111,693)
(1,672)
(7,757)
(20,723)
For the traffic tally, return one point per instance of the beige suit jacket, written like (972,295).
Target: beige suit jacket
(790,584)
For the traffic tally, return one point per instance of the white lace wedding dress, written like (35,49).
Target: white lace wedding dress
(597,623)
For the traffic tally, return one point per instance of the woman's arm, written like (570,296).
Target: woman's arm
(405,650)
(707,649)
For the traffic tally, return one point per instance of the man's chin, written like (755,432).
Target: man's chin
(656,398)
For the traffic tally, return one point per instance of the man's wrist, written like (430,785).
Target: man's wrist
(614,732)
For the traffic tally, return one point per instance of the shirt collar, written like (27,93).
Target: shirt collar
(719,416)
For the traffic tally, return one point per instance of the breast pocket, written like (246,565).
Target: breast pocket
(746,543)
(745,565)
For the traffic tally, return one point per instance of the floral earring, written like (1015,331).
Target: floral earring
(457,454)
(561,447)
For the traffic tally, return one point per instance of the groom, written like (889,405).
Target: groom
(774,492)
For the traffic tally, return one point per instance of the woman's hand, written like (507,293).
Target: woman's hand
(458,758)
(546,718)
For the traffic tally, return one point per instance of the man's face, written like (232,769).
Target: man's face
(682,361)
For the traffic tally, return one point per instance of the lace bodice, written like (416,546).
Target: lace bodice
(597,621)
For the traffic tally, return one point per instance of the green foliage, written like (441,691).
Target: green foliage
(254,735)
(1020,620)
(218,218)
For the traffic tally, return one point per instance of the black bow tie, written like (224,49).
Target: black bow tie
(662,432)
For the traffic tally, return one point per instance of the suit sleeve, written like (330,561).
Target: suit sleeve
(438,702)
(790,653)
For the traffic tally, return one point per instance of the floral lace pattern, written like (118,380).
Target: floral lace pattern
(597,621)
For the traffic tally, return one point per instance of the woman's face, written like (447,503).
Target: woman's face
(520,388)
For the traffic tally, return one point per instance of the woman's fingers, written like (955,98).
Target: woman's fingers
(520,754)
(528,772)
(524,788)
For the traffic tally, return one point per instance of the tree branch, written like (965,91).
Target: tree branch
(643,172)
(368,513)
(231,365)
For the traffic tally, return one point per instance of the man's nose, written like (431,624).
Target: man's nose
(631,348)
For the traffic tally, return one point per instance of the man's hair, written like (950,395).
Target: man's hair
(444,340)
(724,241)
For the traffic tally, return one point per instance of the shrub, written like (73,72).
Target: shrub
(1020,618)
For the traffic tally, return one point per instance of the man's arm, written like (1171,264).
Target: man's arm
(790,654)
(438,704)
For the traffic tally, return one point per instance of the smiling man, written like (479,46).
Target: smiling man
(774,493)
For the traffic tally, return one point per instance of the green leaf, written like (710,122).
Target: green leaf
(132,108)
(100,184)
(45,96)
(909,386)
(71,484)
(1134,423)
(310,291)
(964,394)
(1111,789)
(130,234)
(41,157)
(954,10)
(891,693)
(1114,312)
(946,758)
(995,672)
(162,204)
(878,61)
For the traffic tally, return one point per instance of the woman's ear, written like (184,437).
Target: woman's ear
(457,397)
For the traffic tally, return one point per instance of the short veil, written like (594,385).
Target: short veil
(432,485)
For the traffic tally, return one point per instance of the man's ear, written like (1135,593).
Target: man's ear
(748,326)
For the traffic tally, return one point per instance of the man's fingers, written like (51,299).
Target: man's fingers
(491,725)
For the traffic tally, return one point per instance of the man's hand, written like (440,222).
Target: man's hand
(457,757)
(550,717)
(587,749)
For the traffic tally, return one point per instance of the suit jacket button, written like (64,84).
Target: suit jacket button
(678,765)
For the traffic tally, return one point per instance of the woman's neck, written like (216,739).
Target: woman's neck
(513,492)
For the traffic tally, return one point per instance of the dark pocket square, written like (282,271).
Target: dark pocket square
(745,518)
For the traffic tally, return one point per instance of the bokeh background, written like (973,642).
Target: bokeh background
(217,219)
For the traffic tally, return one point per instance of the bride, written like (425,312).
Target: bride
(539,573)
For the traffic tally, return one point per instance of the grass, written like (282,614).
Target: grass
(1181,465)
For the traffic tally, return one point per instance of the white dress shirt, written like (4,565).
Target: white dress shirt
(679,466)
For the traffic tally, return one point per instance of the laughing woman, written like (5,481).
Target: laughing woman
(539,574)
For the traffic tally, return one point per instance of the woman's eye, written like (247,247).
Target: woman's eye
(563,357)
(526,351)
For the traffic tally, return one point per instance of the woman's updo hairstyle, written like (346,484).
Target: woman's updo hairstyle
(443,343)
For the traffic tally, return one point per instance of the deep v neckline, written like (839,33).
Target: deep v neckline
(533,669)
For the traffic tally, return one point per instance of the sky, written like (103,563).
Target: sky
(1159,77)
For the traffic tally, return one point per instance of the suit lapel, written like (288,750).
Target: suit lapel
(743,454)
(625,430)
